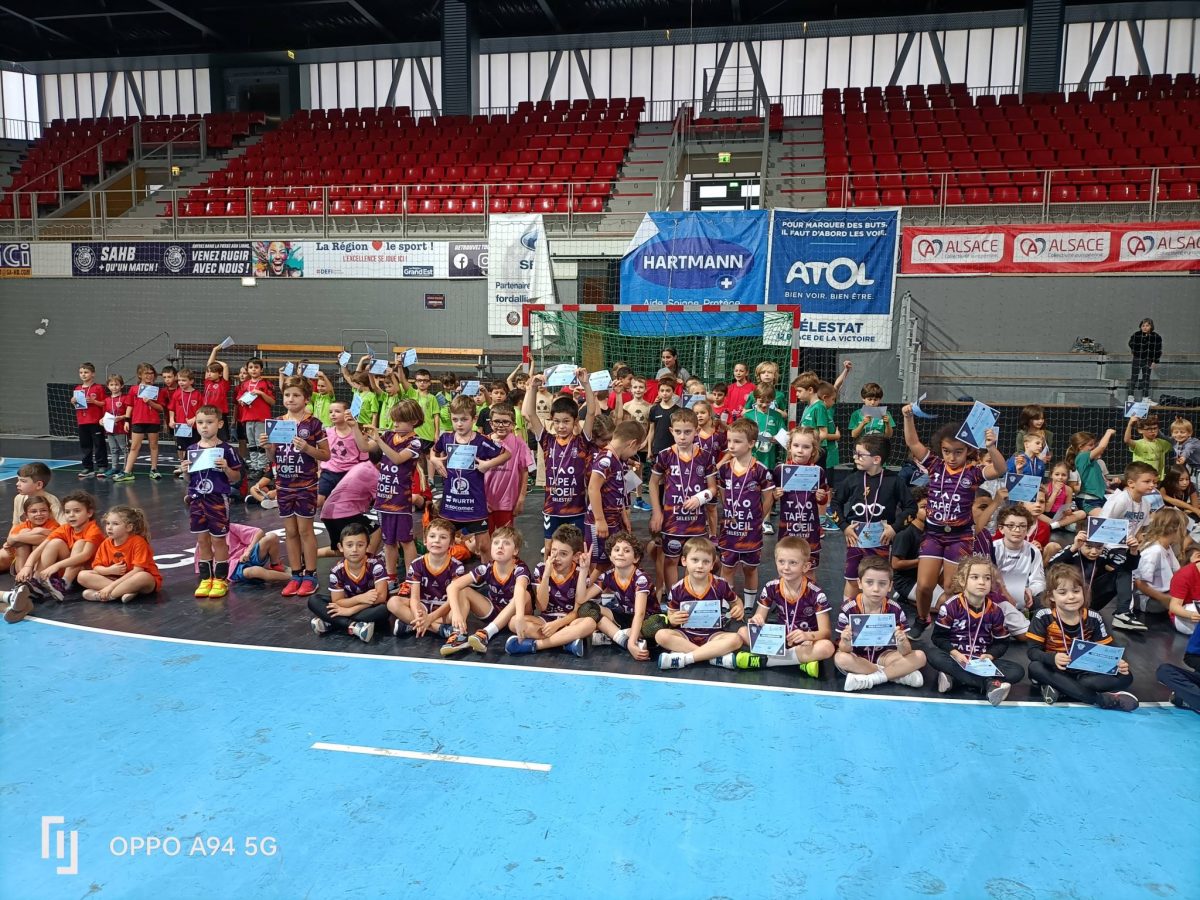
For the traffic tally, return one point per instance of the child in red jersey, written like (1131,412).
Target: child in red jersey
(257,395)
(184,403)
(88,402)
(146,417)
(115,422)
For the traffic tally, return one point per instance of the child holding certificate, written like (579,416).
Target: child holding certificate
(696,627)
(970,636)
(800,614)
(396,452)
(682,480)
(212,468)
(871,649)
(146,411)
(624,593)
(949,527)
(800,511)
(1132,503)
(607,509)
(747,491)
(296,472)
(1060,668)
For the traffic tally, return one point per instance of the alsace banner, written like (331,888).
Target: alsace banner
(518,270)
(839,266)
(696,257)
(1042,249)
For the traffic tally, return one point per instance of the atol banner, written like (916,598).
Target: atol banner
(518,269)
(696,257)
(839,266)
(160,259)
(16,261)
(1051,249)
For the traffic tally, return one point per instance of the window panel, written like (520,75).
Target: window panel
(770,60)
(642,72)
(862,54)
(50,92)
(575,88)
(954,46)
(500,86)
(619,64)
(151,97)
(170,96)
(539,65)
(187,90)
(598,61)
(434,66)
(67,86)
(814,65)
(203,92)
(383,79)
(1178,56)
(979,57)
(1125,61)
(1005,50)
(365,72)
(794,77)
(1154,41)
(883,57)
(688,75)
(663,68)
(347,93)
(518,78)
(838,67)
(329,96)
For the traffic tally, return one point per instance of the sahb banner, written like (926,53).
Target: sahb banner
(696,257)
(840,267)
(1051,249)
(160,259)
(518,269)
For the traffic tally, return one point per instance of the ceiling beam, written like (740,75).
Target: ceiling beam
(550,16)
(104,15)
(36,24)
(362,11)
(183,17)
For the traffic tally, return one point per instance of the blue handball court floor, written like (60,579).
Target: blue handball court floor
(150,767)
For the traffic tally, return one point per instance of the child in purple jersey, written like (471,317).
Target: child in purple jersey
(868,667)
(493,592)
(296,472)
(682,480)
(971,627)
(208,503)
(747,492)
(563,616)
(357,590)
(949,528)
(797,603)
(464,500)
(711,436)
(396,453)
(568,450)
(685,644)
(624,593)
(607,510)
(801,512)
(426,609)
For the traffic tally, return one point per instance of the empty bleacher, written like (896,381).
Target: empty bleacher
(549,157)
(918,146)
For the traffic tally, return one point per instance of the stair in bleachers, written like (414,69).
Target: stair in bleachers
(796,165)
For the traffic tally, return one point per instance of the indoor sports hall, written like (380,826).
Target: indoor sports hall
(711,449)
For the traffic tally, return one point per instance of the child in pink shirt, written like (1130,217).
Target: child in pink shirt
(504,486)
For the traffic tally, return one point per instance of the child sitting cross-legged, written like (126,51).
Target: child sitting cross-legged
(797,603)
(971,628)
(123,567)
(683,642)
(868,667)
(55,564)
(624,593)
(357,590)
(492,592)
(426,609)
(562,615)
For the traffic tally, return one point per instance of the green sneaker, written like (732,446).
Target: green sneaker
(123,477)
(811,669)
(747,660)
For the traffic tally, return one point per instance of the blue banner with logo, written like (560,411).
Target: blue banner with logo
(696,257)
(840,267)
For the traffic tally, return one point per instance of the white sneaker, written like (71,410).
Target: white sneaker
(724,662)
(912,679)
(269,503)
(1129,398)
(17,603)
(364,631)
(319,625)
(997,692)
(600,639)
(670,661)
(945,683)
(856,682)
(768,528)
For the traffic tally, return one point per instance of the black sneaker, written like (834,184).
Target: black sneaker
(1049,695)
(1122,700)
(1128,621)
(917,628)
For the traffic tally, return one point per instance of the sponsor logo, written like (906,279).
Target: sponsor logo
(693,263)
(1154,245)
(175,259)
(839,274)
(84,258)
(417,271)
(529,239)
(1062,246)
(983,247)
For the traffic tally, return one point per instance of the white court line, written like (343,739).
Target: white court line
(576,673)
(434,757)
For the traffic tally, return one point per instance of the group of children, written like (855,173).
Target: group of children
(715,469)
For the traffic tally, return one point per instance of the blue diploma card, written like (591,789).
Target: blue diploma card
(79,398)
(312,370)
(918,412)
(1155,500)
(692,399)
(280,431)
(409,358)
(1022,488)
(206,458)
(782,436)
(288,370)
(1087,656)
(1139,408)
(873,412)
(148,392)
(1113,532)
(470,388)
(462,457)
(768,640)
(801,478)
(344,358)
(984,667)
(379,366)
(442,401)
(702,613)
(979,420)
(247,398)
(183,431)
(870,535)
(560,376)
(356,405)
(600,381)
(874,630)
(108,422)
(225,344)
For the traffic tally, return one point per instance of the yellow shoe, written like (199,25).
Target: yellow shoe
(220,587)
(204,589)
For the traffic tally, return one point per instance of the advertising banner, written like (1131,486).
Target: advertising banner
(160,259)
(518,269)
(15,261)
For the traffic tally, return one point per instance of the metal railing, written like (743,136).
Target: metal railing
(19,130)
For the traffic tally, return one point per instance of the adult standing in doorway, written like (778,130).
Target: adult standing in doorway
(670,366)
(1145,345)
